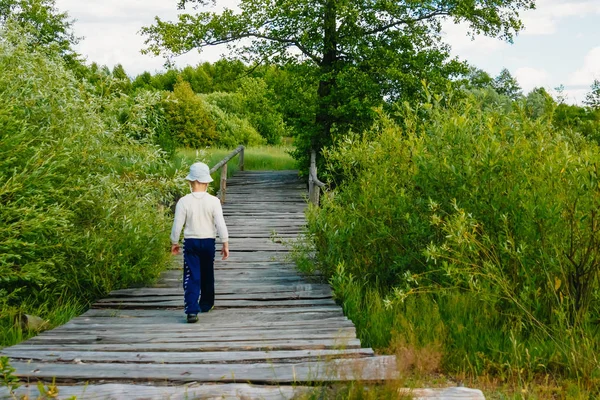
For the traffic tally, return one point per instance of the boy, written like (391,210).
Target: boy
(200,212)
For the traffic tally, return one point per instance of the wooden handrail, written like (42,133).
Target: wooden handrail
(314,184)
(223,166)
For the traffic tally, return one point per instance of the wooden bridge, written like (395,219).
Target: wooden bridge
(271,335)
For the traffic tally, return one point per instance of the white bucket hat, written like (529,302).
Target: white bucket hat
(199,172)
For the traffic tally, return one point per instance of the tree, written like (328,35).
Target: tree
(44,25)
(505,84)
(478,78)
(365,51)
(143,81)
(561,97)
(592,99)
(189,117)
(119,73)
(539,103)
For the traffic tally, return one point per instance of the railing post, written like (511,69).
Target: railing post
(313,189)
(241,165)
(223,182)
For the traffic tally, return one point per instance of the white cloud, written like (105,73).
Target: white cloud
(589,71)
(530,78)
(575,96)
(544,19)
(111,32)
(462,44)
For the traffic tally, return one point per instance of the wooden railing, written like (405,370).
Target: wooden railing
(223,166)
(314,184)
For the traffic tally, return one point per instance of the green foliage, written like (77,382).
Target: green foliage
(8,380)
(142,118)
(43,26)
(578,119)
(83,204)
(506,85)
(364,52)
(261,111)
(233,130)
(294,90)
(189,117)
(592,99)
(478,78)
(539,103)
(489,215)
(252,102)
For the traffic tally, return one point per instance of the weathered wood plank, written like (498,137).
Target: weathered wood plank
(160,324)
(223,315)
(212,336)
(218,305)
(222,391)
(204,357)
(176,294)
(115,391)
(224,290)
(194,345)
(364,369)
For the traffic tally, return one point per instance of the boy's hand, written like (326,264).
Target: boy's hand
(225,251)
(174,249)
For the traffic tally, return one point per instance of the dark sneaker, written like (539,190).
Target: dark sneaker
(192,318)
(205,311)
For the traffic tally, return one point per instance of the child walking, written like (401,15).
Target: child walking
(200,213)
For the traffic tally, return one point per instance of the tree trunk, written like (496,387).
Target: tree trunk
(324,119)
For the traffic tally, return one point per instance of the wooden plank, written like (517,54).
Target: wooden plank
(220,333)
(364,369)
(269,313)
(157,324)
(223,289)
(115,391)
(203,357)
(218,305)
(265,297)
(176,294)
(177,319)
(118,336)
(228,391)
(194,345)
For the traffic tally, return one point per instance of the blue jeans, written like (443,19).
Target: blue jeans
(198,275)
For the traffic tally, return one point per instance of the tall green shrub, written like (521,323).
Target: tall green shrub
(83,207)
(189,118)
(142,118)
(480,203)
(233,130)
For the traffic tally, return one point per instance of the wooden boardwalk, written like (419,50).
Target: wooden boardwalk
(270,330)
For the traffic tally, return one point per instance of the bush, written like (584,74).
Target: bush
(260,110)
(83,207)
(187,113)
(490,215)
(141,117)
(252,103)
(233,130)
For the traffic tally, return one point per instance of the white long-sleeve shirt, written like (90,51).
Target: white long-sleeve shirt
(200,212)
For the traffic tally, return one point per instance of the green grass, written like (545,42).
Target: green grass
(262,158)
(11,332)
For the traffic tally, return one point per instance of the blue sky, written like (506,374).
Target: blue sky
(560,43)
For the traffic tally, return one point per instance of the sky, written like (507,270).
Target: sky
(560,44)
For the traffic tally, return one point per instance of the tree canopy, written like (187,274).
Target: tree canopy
(592,99)
(367,53)
(44,24)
